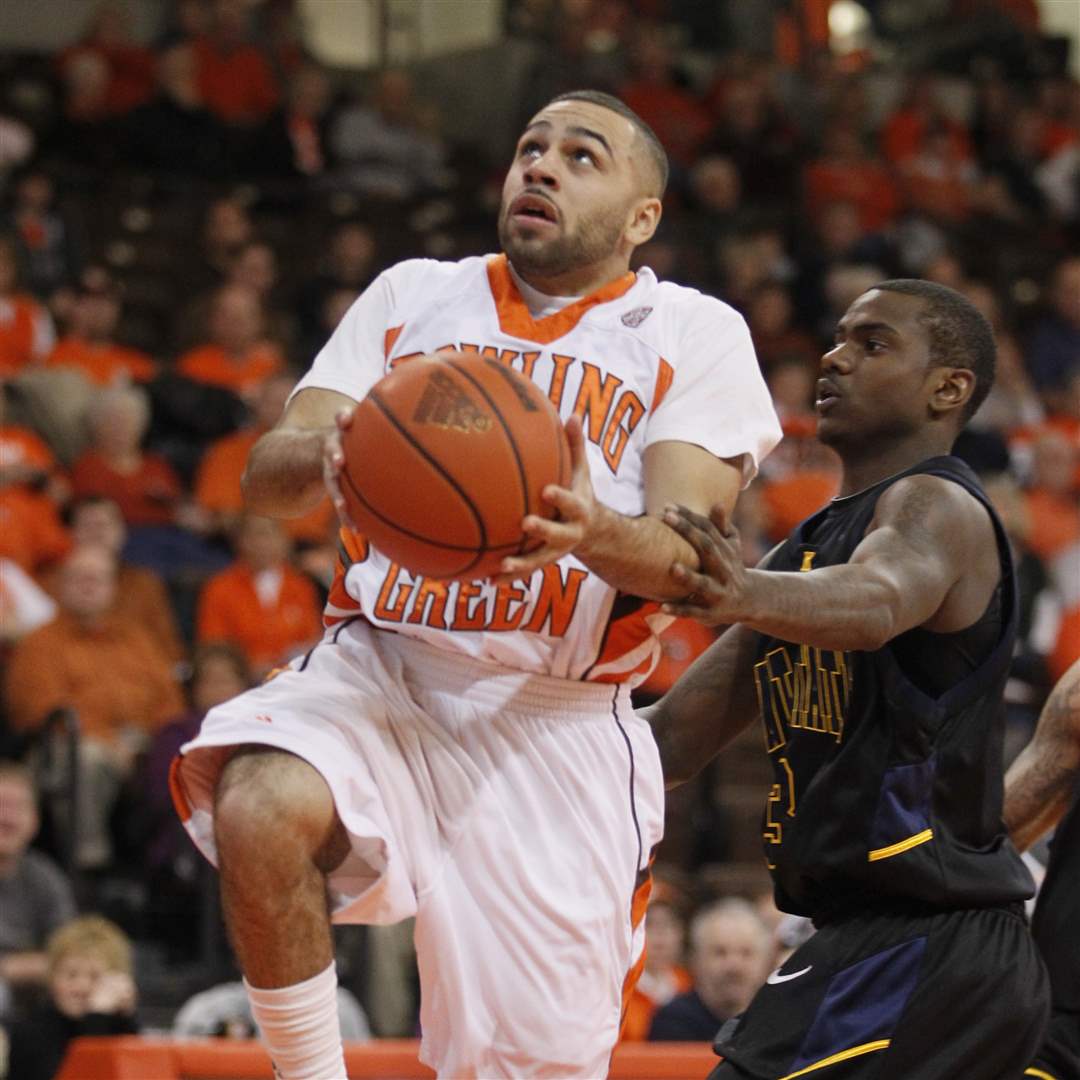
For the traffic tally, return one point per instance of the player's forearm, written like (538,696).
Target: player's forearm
(710,704)
(1037,792)
(838,607)
(284,474)
(634,554)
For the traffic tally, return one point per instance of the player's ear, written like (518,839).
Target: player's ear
(953,390)
(643,220)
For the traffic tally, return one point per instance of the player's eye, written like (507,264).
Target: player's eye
(582,155)
(530,149)
(874,345)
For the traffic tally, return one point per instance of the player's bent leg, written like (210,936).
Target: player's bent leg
(278,836)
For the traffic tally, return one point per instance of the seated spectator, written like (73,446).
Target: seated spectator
(44,234)
(255,267)
(237,356)
(730,952)
(224,1012)
(90,343)
(663,976)
(938,181)
(171,871)
(31,533)
(771,318)
(91,992)
(110,672)
(143,485)
(920,119)
(292,142)
(260,603)
(234,76)
(1053,353)
(27,461)
(175,132)
(1051,501)
(845,171)
(349,264)
(383,147)
(35,896)
(141,597)
(26,329)
(129,67)
(217,483)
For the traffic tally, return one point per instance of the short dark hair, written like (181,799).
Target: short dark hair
(959,333)
(657,154)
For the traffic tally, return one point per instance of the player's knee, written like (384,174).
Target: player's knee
(265,798)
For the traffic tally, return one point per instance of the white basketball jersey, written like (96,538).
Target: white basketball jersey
(639,360)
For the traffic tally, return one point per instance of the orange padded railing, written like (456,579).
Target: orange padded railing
(134,1058)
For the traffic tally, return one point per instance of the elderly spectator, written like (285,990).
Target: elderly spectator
(730,952)
(235,78)
(237,356)
(143,485)
(260,603)
(35,896)
(26,330)
(90,344)
(91,992)
(110,672)
(217,483)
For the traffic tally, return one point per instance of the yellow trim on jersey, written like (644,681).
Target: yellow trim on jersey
(1039,1073)
(844,1055)
(902,846)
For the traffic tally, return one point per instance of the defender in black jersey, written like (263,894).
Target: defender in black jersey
(1042,790)
(874,645)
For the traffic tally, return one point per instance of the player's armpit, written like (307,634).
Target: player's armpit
(1040,782)
(710,704)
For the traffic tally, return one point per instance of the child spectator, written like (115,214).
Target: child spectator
(260,603)
(91,992)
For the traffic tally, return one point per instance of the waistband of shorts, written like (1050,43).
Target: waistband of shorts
(457,674)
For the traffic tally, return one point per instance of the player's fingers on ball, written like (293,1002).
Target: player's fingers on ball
(343,419)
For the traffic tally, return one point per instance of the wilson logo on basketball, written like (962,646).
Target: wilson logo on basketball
(444,404)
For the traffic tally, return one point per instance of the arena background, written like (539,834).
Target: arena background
(214,175)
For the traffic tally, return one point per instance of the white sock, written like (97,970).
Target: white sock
(299,1025)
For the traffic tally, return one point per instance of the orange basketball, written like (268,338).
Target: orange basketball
(444,458)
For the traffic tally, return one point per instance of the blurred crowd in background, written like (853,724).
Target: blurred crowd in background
(184,221)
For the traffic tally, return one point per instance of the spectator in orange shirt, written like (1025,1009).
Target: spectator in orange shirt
(31,533)
(106,669)
(260,603)
(846,172)
(90,344)
(1051,498)
(237,357)
(26,329)
(217,483)
(144,486)
(921,117)
(235,78)
(27,461)
(663,976)
(141,597)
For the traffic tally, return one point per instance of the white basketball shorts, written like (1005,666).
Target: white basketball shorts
(513,814)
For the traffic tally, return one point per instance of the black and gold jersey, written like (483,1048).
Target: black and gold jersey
(887,765)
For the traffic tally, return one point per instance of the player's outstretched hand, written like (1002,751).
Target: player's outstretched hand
(334,462)
(576,506)
(716,590)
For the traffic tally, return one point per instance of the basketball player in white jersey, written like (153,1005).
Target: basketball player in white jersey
(465,752)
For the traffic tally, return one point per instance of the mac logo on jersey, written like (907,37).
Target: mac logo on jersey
(444,404)
(636,317)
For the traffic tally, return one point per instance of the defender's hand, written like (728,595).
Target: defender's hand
(577,512)
(716,592)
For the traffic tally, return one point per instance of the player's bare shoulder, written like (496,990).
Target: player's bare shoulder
(949,525)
